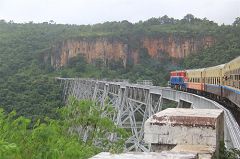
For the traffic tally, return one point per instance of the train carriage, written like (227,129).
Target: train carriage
(195,79)
(213,79)
(231,81)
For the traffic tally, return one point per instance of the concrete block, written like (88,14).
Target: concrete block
(175,126)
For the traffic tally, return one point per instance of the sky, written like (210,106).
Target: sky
(99,11)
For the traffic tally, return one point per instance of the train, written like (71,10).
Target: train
(221,82)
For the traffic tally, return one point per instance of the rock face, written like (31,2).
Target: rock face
(108,49)
(99,48)
(174,46)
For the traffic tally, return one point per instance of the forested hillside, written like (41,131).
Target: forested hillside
(226,48)
(27,82)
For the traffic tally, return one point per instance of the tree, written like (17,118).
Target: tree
(236,22)
(86,117)
(53,139)
(188,18)
(166,20)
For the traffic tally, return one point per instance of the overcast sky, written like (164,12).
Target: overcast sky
(98,11)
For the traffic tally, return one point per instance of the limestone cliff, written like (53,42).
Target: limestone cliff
(175,46)
(99,48)
(111,49)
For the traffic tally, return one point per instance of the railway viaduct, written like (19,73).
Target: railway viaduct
(135,103)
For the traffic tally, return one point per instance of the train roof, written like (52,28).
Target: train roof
(207,68)
(215,67)
(178,71)
(198,69)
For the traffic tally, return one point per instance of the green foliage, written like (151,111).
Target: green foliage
(227,47)
(53,139)
(237,21)
(87,116)
(227,154)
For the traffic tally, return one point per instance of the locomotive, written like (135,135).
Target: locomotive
(220,82)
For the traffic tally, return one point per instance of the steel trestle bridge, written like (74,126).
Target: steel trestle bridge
(135,103)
